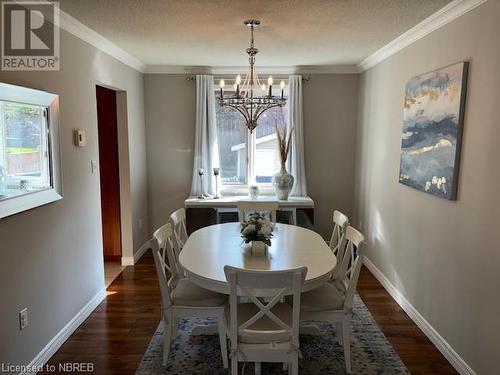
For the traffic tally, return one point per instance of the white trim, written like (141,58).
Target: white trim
(435,21)
(130,261)
(451,355)
(142,250)
(317,69)
(78,29)
(127,261)
(51,348)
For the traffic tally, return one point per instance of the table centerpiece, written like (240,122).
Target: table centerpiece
(257,231)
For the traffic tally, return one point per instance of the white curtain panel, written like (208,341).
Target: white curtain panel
(296,164)
(206,149)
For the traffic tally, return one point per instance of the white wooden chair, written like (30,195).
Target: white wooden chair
(267,208)
(333,301)
(340,223)
(261,332)
(181,298)
(178,219)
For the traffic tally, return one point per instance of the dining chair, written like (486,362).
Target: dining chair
(181,298)
(267,208)
(333,302)
(340,223)
(178,219)
(264,331)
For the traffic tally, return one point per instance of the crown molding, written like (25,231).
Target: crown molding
(435,21)
(316,69)
(78,29)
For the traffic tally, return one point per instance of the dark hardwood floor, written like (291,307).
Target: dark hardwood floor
(417,352)
(117,333)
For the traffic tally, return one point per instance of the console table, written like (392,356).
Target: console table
(204,212)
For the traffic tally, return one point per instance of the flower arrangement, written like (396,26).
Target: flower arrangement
(257,228)
(284,141)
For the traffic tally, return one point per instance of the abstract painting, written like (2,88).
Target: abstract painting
(432,130)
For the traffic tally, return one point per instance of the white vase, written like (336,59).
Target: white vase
(253,192)
(283,183)
(258,248)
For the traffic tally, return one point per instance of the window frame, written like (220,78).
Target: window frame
(19,203)
(250,144)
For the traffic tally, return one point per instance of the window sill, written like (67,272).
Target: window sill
(15,204)
(233,190)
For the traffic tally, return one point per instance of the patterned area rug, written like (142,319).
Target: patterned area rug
(371,353)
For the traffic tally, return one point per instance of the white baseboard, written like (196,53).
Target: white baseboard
(127,261)
(51,348)
(130,261)
(142,250)
(451,355)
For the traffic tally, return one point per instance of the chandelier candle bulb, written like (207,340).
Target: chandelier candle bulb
(238,81)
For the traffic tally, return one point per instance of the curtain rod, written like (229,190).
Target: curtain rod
(192,77)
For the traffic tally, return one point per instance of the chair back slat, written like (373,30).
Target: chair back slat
(168,249)
(165,262)
(340,223)
(266,208)
(350,267)
(279,283)
(178,219)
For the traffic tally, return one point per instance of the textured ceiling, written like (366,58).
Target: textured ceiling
(211,33)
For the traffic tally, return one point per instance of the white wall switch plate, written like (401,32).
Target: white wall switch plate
(23,318)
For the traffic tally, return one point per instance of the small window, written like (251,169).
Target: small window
(29,164)
(24,155)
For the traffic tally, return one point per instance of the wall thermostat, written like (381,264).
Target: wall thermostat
(80,139)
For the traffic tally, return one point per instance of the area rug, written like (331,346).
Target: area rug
(371,353)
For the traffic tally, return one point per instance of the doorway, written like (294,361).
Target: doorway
(107,126)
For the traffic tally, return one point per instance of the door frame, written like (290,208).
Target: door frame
(127,257)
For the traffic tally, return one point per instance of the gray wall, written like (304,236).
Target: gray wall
(330,104)
(51,257)
(330,110)
(442,256)
(170,122)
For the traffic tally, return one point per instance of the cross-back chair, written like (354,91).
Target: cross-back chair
(340,223)
(259,331)
(178,219)
(181,298)
(333,301)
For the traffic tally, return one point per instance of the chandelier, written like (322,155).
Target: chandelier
(250,97)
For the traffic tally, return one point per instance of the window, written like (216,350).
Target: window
(24,157)
(28,149)
(245,158)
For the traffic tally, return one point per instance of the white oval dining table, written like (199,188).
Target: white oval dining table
(209,249)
